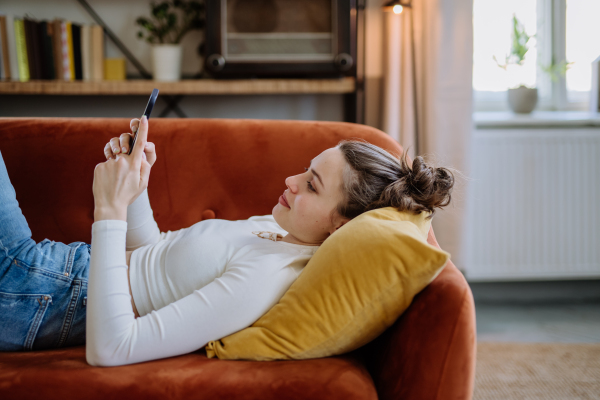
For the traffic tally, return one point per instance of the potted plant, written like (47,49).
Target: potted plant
(169,23)
(521,99)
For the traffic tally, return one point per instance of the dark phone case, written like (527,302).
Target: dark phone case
(147,113)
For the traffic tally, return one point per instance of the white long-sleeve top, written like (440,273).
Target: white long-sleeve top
(190,286)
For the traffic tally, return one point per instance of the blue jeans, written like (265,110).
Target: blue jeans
(43,286)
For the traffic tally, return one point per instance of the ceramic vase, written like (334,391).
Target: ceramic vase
(166,62)
(522,100)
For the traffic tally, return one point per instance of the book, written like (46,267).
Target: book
(70,51)
(97,53)
(76,32)
(55,33)
(114,69)
(86,52)
(64,40)
(12,47)
(31,60)
(4,49)
(47,52)
(2,73)
(35,48)
(22,60)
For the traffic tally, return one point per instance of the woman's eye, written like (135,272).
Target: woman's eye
(310,186)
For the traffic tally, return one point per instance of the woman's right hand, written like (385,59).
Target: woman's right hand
(120,145)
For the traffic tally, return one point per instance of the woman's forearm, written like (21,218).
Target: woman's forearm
(109,313)
(142,229)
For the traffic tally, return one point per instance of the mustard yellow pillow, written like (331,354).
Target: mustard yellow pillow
(355,286)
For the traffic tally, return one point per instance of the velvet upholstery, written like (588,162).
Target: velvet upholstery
(229,169)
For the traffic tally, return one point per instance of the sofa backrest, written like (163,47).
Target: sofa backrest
(233,167)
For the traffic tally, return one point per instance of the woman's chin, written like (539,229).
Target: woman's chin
(279,208)
(276,210)
(277,214)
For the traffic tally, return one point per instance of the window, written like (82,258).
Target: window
(561,30)
(582,45)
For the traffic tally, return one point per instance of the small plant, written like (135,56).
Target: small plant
(556,70)
(519,47)
(171,20)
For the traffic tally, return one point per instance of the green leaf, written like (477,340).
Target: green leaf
(556,70)
(520,38)
(172,20)
(141,21)
(149,26)
(160,10)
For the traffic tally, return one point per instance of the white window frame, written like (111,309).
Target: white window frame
(551,42)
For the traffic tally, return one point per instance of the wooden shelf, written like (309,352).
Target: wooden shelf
(186,87)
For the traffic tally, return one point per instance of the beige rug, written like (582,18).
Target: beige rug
(545,371)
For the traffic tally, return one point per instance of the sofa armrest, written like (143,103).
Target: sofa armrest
(429,352)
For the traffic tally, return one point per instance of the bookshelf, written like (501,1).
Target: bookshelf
(184,87)
(120,38)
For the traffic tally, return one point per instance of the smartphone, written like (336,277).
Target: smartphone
(147,112)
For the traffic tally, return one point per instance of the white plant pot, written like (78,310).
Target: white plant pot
(166,62)
(522,100)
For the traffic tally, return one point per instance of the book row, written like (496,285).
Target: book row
(56,49)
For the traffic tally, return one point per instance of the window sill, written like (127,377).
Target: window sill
(537,119)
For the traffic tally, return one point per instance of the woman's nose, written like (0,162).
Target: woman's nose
(290,182)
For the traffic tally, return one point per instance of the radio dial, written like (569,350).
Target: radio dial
(215,62)
(343,62)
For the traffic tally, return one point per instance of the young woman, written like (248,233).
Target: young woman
(137,294)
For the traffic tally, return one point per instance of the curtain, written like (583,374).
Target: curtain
(443,40)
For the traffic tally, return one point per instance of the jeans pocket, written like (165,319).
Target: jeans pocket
(21,316)
(53,259)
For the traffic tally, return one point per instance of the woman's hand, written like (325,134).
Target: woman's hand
(120,145)
(120,180)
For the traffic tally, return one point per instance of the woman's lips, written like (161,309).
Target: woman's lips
(283,201)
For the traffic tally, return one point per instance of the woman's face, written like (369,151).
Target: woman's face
(306,207)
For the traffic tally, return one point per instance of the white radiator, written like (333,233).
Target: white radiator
(533,204)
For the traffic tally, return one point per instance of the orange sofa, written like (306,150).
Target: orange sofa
(230,169)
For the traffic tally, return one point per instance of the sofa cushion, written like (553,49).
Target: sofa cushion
(64,374)
(356,285)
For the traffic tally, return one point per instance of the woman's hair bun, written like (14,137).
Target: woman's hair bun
(376,179)
(428,186)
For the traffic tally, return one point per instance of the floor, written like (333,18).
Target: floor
(558,311)
(567,323)
(537,340)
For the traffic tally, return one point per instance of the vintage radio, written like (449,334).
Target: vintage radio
(292,38)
